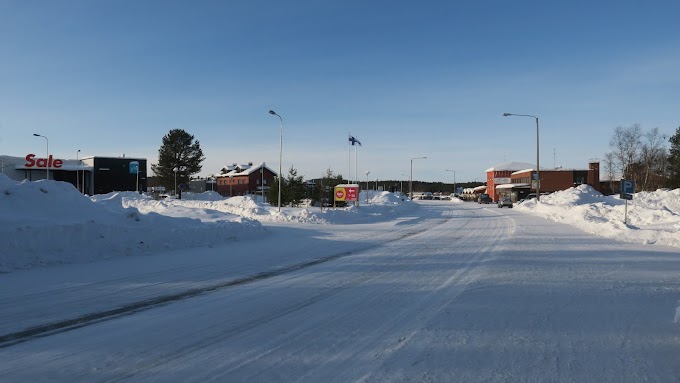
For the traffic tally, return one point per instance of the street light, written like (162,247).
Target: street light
(410,182)
(231,180)
(367,173)
(454,179)
(78,170)
(280,153)
(176,169)
(538,166)
(47,158)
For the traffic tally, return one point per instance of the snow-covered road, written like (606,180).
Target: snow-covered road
(460,293)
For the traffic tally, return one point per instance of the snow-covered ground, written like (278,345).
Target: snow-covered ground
(652,217)
(392,291)
(46,223)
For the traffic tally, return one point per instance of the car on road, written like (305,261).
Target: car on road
(505,201)
(483,198)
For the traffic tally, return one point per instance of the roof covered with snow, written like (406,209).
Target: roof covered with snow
(512,166)
(242,170)
(510,186)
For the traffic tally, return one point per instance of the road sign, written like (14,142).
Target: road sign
(627,190)
(347,192)
(133,167)
(627,186)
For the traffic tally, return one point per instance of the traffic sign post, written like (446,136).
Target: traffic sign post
(627,190)
(133,168)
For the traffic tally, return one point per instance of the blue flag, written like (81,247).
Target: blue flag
(353,140)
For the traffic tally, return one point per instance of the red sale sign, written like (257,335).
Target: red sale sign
(42,162)
(347,193)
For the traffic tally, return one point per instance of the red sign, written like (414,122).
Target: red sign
(346,193)
(31,162)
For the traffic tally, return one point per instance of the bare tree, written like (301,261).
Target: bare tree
(626,143)
(610,168)
(653,160)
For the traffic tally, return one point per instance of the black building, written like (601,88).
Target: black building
(116,174)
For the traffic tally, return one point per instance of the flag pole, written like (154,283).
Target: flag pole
(349,157)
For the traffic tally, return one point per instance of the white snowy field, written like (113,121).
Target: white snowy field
(232,290)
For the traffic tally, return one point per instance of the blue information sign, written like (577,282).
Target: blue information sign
(627,186)
(133,167)
(627,189)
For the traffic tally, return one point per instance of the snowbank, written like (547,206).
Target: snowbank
(50,222)
(653,217)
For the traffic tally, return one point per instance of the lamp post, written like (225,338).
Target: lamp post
(538,166)
(367,173)
(176,169)
(410,182)
(454,179)
(280,152)
(231,180)
(77,170)
(47,158)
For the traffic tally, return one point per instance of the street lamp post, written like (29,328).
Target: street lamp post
(176,169)
(231,180)
(454,179)
(47,158)
(78,170)
(410,182)
(367,173)
(538,166)
(280,153)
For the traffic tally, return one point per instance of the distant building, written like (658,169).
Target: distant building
(500,175)
(506,180)
(91,175)
(246,179)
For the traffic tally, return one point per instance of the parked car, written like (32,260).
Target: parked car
(483,198)
(505,201)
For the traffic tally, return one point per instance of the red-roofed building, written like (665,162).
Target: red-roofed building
(244,179)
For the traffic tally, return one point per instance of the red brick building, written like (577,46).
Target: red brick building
(247,179)
(500,175)
(516,179)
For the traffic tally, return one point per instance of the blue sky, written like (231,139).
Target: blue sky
(408,79)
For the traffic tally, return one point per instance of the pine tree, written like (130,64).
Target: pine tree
(294,192)
(674,160)
(179,157)
(323,191)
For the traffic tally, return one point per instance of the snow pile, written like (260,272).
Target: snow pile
(205,196)
(50,222)
(653,217)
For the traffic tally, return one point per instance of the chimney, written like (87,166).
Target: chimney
(594,175)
